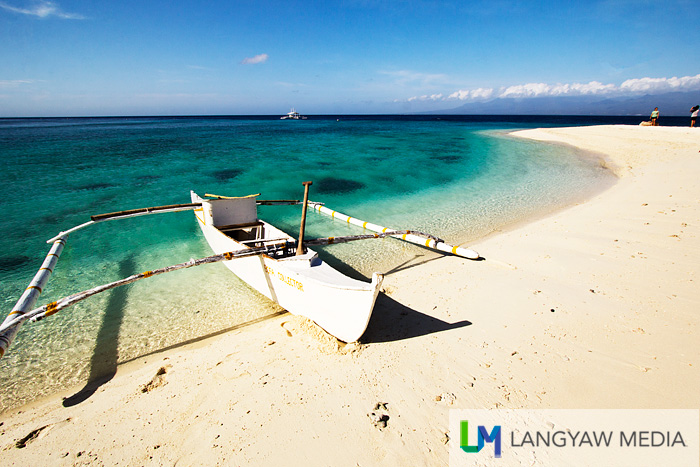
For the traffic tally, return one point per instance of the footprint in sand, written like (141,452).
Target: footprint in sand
(38,433)
(158,380)
(22,443)
(380,416)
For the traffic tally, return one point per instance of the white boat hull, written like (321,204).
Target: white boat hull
(303,285)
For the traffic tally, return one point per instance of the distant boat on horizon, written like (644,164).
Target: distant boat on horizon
(293,115)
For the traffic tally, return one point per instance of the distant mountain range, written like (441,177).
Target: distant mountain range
(669,104)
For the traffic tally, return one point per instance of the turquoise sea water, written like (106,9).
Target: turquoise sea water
(455,179)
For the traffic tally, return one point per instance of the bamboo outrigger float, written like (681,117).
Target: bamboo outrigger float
(30,295)
(418,238)
(37,314)
(268,259)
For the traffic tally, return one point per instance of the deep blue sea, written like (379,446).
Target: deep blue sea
(459,178)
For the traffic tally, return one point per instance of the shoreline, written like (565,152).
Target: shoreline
(589,156)
(593,306)
(153,318)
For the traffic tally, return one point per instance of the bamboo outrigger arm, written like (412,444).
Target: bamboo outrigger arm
(13,322)
(32,292)
(15,319)
(125,214)
(20,313)
(160,209)
(418,238)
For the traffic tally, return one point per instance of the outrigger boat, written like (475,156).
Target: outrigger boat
(291,275)
(265,257)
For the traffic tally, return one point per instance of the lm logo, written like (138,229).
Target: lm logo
(484,436)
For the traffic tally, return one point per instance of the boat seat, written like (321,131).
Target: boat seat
(246,225)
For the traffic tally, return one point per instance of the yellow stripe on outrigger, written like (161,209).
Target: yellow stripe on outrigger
(415,237)
(51,308)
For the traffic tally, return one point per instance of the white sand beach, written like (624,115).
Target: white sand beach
(595,306)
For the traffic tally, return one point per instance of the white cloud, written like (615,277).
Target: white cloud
(631,86)
(476,94)
(432,97)
(594,87)
(525,90)
(661,84)
(42,9)
(13,83)
(482,93)
(544,89)
(262,58)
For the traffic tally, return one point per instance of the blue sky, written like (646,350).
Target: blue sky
(151,57)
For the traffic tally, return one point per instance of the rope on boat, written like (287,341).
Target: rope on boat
(30,295)
(418,238)
(37,314)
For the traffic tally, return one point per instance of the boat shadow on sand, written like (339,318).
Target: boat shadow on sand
(392,321)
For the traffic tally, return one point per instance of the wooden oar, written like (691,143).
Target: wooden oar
(49,309)
(429,242)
